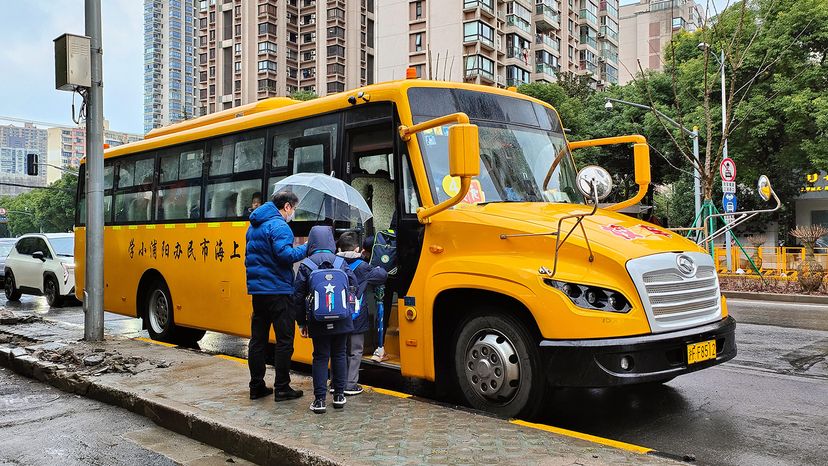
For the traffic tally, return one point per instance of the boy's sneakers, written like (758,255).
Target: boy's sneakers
(318,406)
(379,355)
(338,401)
(355,390)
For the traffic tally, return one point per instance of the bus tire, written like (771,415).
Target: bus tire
(160,318)
(10,288)
(497,366)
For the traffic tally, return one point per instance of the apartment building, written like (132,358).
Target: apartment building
(15,143)
(647,27)
(66,146)
(169,62)
(597,23)
(495,42)
(249,50)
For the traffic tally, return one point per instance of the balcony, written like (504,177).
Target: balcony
(547,69)
(515,82)
(485,6)
(588,66)
(609,33)
(518,22)
(473,73)
(588,16)
(546,41)
(590,41)
(546,17)
(483,40)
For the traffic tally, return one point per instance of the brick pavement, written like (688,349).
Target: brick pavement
(205,397)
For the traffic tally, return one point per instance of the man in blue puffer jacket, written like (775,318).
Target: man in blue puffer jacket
(269,259)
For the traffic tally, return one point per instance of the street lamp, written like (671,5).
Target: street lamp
(694,134)
(703,46)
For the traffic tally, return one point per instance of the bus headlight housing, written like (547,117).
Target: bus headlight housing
(592,297)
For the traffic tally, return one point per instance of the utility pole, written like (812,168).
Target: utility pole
(93,292)
(729,260)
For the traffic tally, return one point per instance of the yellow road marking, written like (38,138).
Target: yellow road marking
(582,436)
(231,358)
(389,392)
(161,343)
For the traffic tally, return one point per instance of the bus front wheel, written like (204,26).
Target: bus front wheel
(497,366)
(160,318)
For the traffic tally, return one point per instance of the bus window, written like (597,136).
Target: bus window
(133,207)
(409,189)
(178,203)
(236,154)
(133,173)
(229,200)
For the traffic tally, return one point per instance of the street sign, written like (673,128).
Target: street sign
(729,203)
(728,169)
(729,219)
(728,186)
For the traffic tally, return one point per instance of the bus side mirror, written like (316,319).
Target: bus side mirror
(641,156)
(464,150)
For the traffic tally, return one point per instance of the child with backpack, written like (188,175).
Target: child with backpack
(366,275)
(325,289)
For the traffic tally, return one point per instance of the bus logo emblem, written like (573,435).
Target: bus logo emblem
(686,266)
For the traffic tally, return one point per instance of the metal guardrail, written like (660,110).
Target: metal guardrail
(774,261)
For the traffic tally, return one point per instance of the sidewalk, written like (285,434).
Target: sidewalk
(205,397)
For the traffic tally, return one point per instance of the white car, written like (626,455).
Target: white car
(42,264)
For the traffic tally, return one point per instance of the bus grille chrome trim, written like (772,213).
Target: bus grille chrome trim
(671,299)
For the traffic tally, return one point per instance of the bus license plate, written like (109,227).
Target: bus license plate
(698,352)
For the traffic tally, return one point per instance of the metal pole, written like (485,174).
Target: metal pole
(729,260)
(93,292)
(696,173)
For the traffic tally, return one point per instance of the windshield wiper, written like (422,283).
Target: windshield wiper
(498,202)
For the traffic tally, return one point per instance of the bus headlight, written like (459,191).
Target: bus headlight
(592,297)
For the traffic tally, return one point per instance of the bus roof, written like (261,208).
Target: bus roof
(279,109)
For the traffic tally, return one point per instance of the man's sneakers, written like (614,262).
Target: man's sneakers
(339,401)
(379,355)
(259,392)
(289,394)
(355,390)
(318,406)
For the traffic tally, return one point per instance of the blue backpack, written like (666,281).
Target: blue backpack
(328,290)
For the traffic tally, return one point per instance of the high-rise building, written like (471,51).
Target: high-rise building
(15,143)
(495,42)
(66,146)
(597,23)
(169,62)
(253,49)
(647,27)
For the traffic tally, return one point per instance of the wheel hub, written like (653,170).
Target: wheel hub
(158,311)
(493,366)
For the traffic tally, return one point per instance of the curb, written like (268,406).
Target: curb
(172,416)
(781,298)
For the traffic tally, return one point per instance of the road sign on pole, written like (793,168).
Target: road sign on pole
(729,203)
(729,187)
(728,169)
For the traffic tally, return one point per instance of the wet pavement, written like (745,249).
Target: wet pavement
(767,406)
(41,425)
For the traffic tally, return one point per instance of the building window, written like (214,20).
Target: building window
(478,65)
(267,47)
(418,42)
(268,85)
(267,28)
(475,31)
(336,86)
(237,67)
(418,10)
(336,69)
(336,13)
(336,51)
(267,65)
(336,32)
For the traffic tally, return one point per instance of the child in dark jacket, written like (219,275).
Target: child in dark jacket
(349,248)
(329,338)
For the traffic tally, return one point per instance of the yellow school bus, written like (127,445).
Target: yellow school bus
(510,282)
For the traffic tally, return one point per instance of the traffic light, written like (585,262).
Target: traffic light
(31,164)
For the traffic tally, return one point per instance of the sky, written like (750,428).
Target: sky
(27,77)
(27,31)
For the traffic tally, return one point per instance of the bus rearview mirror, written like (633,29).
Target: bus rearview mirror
(464,150)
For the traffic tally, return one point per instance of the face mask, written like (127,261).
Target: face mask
(291,216)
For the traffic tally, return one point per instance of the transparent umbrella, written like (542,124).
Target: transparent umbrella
(322,196)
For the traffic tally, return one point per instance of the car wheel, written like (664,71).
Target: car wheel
(497,366)
(12,293)
(51,290)
(161,320)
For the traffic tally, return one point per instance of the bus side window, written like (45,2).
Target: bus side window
(410,199)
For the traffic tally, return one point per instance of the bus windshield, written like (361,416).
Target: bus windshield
(523,154)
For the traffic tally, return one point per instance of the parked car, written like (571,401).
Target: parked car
(42,264)
(6,245)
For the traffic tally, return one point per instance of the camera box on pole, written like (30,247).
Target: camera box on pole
(73,66)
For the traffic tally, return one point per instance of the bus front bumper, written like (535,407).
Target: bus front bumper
(650,358)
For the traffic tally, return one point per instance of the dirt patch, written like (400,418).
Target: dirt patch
(8,317)
(96,361)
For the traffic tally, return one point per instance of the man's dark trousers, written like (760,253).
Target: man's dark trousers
(275,310)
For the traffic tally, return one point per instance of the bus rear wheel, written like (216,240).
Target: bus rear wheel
(160,318)
(497,366)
